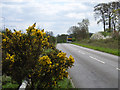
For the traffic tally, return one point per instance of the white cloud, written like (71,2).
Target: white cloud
(94,27)
(93,1)
(57,15)
(18,0)
(76,15)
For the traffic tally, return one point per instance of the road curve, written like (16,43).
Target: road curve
(92,69)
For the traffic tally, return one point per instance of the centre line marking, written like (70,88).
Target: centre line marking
(117,68)
(97,59)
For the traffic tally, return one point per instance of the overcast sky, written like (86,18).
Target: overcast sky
(52,15)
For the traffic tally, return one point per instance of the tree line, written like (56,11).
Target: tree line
(106,13)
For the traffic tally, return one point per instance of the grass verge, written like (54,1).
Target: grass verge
(7,83)
(65,83)
(10,86)
(107,50)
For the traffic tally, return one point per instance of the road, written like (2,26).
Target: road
(92,69)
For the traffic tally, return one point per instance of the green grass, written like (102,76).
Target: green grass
(8,83)
(65,83)
(103,49)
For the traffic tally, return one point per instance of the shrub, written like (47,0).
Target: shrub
(105,33)
(24,56)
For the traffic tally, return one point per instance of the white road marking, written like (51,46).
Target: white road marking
(81,52)
(117,68)
(97,59)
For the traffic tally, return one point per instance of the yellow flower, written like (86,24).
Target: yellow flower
(71,59)
(57,64)
(8,55)
(12,56)
(48,37)
(18,32)
(14,33)
(45,60)
(63,70)
(29,75)
(34,25)
(66,74)
(61,55)
(50,66)
(4,40)
(54,83)
(44,34)
(7,29)
(12,60)
(33,30)
(7,58)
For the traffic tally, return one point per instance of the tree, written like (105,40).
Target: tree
(81,31)
(50,33)
(114,18)
(100,12)
(62,38)
(106,12)
(84,28)
(52,38)
(74,30)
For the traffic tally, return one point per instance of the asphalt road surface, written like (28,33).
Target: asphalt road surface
(92,69)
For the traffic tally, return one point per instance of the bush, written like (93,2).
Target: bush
(24,57)
(105,33)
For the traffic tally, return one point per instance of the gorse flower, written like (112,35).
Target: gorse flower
(24,55)
(71,59)
(61,55)
(9,57)
(4,40)
(45,60)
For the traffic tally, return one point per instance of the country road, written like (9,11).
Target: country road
(92,69)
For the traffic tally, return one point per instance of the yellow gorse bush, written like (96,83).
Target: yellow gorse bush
(11,58)
(45,60)
(24,56)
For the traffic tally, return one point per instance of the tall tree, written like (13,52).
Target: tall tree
(106,12)
(100,13)
(84,28)
(74,30)
(116,14)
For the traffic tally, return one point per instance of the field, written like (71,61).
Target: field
(108,45)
